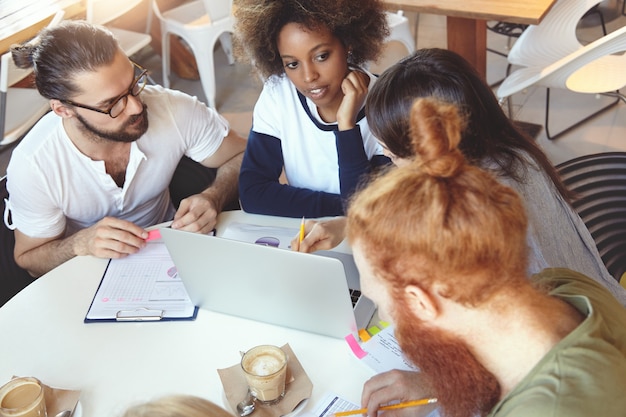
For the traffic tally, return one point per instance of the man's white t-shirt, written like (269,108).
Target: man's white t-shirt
(53,187)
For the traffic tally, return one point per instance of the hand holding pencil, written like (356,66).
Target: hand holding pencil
(389,392)
(404,404)
(319,234)
(301,236)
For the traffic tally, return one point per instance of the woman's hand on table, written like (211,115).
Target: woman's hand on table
(320,235)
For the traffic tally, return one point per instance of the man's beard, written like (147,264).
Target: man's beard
(462,385)
(126,133)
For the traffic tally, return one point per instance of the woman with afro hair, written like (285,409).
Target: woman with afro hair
(310,144)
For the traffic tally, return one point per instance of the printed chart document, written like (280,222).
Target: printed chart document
(382,352)
(279,237)
(142,287)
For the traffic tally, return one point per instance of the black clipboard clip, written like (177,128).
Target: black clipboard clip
(139,314)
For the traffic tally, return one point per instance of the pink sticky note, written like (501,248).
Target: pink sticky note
(356,348)
(153,235)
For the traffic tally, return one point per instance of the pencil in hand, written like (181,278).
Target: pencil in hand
(405,404)
(301,231)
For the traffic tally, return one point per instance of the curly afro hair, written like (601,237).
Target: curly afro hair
(359,24)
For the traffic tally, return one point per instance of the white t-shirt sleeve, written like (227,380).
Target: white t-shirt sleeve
(202,128)
(275,103)
(32,208)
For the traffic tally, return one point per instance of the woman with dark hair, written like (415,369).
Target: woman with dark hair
(308,122)
(557,237)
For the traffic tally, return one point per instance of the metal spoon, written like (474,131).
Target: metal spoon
(246,406)
(65,413)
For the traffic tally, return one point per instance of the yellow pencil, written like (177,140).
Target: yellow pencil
(389,407)
(301,230)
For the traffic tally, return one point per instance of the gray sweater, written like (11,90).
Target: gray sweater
(557,236)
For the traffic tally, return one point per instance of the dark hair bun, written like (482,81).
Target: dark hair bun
(23,54)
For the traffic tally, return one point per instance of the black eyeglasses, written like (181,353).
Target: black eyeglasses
(118,106)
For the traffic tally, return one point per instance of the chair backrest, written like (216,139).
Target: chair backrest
(101,12)
(600,182)
(219,9)
(553,38)
(11,74)
(400,30)
(12,278)
(156,10)
(594,68)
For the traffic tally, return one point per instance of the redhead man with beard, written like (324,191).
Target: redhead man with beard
(448,268)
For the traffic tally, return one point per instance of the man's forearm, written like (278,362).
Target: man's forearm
(224,188)
(43,258)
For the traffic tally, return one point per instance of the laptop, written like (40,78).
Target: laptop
(303,291)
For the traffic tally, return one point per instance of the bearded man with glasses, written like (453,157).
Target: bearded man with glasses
(94,173)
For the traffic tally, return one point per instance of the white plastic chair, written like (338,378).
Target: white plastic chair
(20,108)
(102,12)
(593,69)
(399,43)
(200,23)
(400,30)
(553,38)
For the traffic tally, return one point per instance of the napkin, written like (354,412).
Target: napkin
(58,399)
(298,388)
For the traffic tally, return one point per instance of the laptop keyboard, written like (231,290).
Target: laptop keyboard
(354,296)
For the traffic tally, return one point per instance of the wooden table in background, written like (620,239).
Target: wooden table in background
(29,26)
(466,21)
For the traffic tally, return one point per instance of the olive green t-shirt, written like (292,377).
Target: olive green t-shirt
(584,375)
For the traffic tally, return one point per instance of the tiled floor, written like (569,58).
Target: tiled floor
(238,88)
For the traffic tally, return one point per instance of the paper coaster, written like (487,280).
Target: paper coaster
(298,388)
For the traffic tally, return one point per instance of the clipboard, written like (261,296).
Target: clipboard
(143,287)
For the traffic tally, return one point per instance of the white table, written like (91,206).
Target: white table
(117,364)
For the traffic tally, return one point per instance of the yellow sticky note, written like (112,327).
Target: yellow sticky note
(364,335)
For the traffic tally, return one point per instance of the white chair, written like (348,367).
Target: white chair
(400,30)
(200,23)
(20,108)
(553,38)
(399,43)
(102,12)
(597,68)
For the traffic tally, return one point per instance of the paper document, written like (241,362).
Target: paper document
(279,237)
(142,286)
(330,404)
(382,352)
